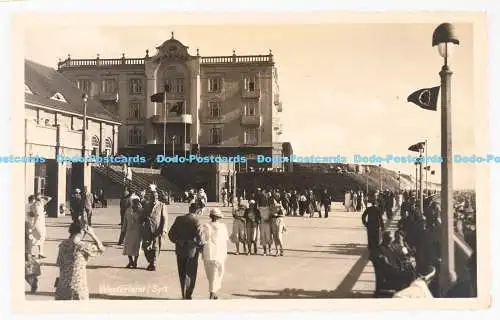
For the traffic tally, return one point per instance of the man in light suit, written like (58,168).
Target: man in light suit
(88,201)
(186,234)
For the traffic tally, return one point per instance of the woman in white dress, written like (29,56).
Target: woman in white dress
(214,254)
(39,229)
(266,239)
(347,201)
(134,218)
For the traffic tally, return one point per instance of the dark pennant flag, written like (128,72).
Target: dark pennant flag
(433,172)
(157,97)
(417,147)
(178,108)
(425,98)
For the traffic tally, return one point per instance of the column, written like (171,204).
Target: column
(150,107)
(61,186)
(29,183)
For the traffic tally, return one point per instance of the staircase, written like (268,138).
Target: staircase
(111,179)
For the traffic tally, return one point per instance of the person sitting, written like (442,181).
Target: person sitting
(404,262)
(384,265)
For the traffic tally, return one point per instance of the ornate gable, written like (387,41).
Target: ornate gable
(173,49)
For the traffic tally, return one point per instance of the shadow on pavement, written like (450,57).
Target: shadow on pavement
(352,249)
(343,291)
(100,296)
(304,294)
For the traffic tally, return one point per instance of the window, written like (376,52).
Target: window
(250,109)
(216,136)
(108,86)
(135,86)
(250,136)
(84,85)
(179,85)
(108,146)
(135,136)
(214,109)
(40,181)
(27,89)
(168,85)
(214,84)
(95,145)
(58,97)
(135,111)
(174,85)
(250,84)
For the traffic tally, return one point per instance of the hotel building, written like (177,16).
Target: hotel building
(214,105)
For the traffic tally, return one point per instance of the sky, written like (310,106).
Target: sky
(344,86)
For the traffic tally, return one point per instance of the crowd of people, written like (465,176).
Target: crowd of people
(412,250)
(398,257)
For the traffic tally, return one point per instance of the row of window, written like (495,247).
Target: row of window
(215,84)
(214,110)
(248,109)
(110,85)
(136,85)
(250,136)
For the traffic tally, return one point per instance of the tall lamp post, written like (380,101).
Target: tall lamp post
(444,38)
(420,191)
(416,177)
(85,98)
(173,145)
(380,177)
(399,181)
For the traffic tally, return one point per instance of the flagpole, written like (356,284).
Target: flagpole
(164,123)
(420,186)
(185,129)
(426,168)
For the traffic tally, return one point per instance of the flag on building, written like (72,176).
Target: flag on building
(158,97)
(433,172)
(417,147)
(178,108)
(425,98)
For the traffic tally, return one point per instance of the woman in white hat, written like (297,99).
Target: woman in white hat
(215,237)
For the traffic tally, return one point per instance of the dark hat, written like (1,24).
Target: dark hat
(193,207)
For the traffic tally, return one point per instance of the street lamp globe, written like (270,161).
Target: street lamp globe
(85,97)
(445,39)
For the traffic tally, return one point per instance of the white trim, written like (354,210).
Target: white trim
(70,113)
(27,89)
(59,97)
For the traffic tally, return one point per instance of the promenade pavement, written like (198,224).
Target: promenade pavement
(324,258)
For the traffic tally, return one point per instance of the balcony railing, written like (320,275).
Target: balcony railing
(108,96)
(250,94)
(104,63)
(251,120)
(209,119)
(184,118)
(234,59)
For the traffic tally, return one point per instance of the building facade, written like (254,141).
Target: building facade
(213,105)
(53,127)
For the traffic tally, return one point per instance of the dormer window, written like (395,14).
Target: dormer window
(27,89)
(58,97)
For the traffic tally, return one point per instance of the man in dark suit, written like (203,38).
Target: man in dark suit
(186,234)
(372,220)
(124,204)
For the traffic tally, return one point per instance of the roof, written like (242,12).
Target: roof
(44,82)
